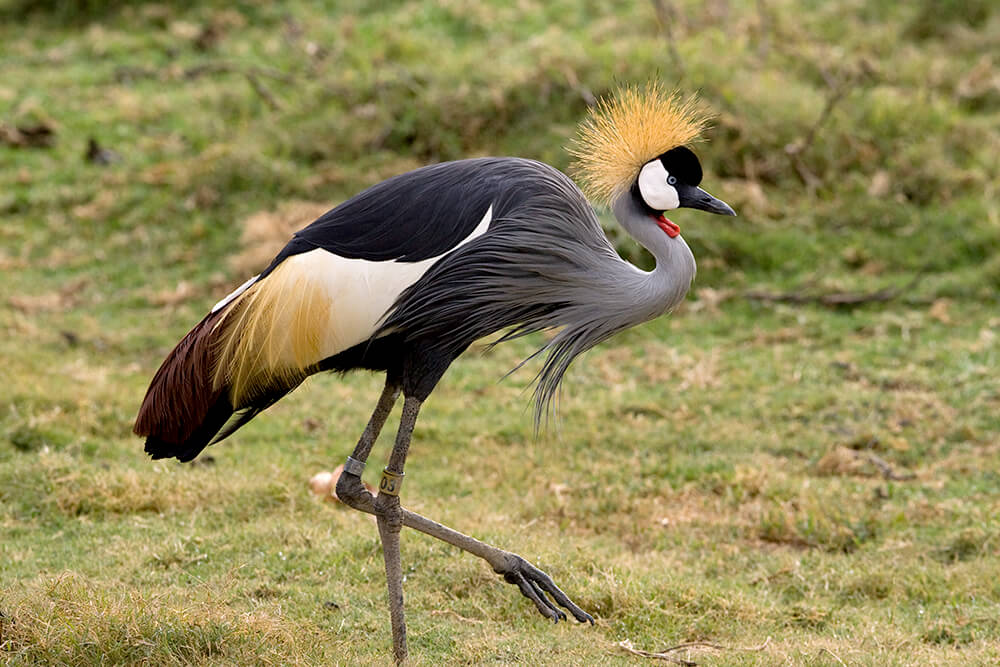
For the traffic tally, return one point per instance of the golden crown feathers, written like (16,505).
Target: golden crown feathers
(622,133)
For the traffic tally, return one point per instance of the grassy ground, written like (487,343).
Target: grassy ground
(713,476)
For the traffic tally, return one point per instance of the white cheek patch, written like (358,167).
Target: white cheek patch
(654,189)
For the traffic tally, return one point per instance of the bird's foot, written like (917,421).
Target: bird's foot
(533,583)
(538,587)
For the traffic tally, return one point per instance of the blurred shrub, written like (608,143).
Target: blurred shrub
(832,118)
(936,17)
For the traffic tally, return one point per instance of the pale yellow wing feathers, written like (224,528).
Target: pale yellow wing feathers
(270,335)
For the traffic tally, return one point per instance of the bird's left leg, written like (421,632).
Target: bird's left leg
(390,521)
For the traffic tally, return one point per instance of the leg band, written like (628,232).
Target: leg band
(390,483)
(354,467)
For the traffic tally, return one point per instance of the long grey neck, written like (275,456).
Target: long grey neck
(660,290)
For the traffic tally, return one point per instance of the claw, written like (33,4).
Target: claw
(529,591)
(537,586)
(559,615)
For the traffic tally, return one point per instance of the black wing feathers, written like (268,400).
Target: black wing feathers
(410,217)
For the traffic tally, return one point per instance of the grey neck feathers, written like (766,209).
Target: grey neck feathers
(546,264)
(661,290)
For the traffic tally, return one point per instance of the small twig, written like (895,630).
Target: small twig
(836,657)
(262,91)
(765,28)
(831,299)
(886,468)
(252,73)
(627,645)
(233,68)
(836,299)
(811,180)
(573,81)
(774,575)
(449,612)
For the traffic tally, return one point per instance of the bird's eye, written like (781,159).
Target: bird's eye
(671,180)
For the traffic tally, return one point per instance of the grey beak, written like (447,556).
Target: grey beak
(698,198)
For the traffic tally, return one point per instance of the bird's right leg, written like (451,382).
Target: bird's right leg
(350,490)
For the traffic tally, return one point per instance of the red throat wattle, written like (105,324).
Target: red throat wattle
(668,227)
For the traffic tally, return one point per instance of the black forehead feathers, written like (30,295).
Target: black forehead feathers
(682,163)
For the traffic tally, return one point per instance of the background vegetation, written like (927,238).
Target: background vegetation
(765,469)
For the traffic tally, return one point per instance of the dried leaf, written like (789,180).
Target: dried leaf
(324,484)
(939,311)
(879,186)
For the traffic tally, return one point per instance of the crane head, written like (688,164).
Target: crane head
(623,133)
(671,181)
(635,144)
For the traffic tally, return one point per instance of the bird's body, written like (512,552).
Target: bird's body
(403,277)
(461,250)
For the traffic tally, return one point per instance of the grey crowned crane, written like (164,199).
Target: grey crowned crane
(403,277)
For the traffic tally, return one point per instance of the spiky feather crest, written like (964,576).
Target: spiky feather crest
(624,132)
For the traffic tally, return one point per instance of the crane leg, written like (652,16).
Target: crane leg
(390,522)
(385,403)
(386,506)
(533,583)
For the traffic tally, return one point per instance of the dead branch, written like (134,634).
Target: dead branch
(627,645)
(449,612)
(252,73)
(234,68)
(836,299)
(836,657)
(770,577)
(836,95)
(262,91)
(886,468)
(795,150)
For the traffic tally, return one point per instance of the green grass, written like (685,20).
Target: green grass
(709,476)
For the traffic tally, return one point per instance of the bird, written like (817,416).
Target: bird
(403,277)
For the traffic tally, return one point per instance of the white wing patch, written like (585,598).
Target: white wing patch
(361,292)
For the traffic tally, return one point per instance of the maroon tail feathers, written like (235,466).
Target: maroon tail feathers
(183,411)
